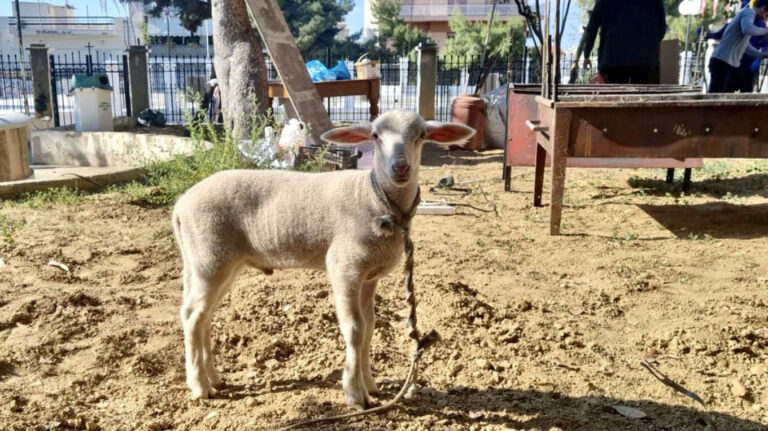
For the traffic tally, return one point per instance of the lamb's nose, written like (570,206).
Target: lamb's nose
(401,170)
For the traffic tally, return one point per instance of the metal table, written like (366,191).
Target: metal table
(679,126)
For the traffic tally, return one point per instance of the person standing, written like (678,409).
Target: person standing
(630,40)
(724,65)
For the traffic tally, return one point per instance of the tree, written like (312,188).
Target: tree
(393,31)
(239,62)
(469,37)
(191,13)
(313,23)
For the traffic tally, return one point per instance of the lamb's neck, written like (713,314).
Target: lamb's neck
(404,196)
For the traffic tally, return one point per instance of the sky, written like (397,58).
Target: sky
(354,19)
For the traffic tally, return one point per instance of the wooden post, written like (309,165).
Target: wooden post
(427,80)
(561,128)
(41,80)
(290,66)
(538,177)
(138,75)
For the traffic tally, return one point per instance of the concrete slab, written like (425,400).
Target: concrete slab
(75,177)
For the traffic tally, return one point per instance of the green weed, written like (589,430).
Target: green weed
(50,197)
(8,227)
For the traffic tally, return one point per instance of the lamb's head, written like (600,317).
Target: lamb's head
(398,136)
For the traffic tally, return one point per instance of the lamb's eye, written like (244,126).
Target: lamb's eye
(375,136)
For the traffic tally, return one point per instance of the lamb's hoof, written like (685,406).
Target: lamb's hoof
(198,394)
(372,388)
(358,405)
(216,381)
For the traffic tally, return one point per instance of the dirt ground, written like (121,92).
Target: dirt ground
(538,332)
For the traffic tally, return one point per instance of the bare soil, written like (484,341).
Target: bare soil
(539,332)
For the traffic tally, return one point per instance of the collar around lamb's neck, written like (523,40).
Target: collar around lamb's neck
(403,217)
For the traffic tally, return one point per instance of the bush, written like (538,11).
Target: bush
(214,149)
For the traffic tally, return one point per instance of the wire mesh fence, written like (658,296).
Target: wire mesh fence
(64,67)
(13,86)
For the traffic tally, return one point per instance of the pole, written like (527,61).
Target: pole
(207,44)
(21,54)
(481,80)
(685,55)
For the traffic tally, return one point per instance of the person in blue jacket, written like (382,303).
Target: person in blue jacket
(748,64)
(724,65)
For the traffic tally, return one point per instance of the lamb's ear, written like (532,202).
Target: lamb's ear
(447,133)
(350,135)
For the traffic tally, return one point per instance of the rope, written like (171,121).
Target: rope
(420,344)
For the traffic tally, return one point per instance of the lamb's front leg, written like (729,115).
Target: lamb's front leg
(367,301)
(346,292)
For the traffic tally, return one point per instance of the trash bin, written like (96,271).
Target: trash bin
(93,103)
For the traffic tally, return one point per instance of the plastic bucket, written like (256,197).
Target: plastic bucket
(469,109)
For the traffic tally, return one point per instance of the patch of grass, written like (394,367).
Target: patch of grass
(8,227)
(621,239)
(214,149)
(50,197)
(735,199)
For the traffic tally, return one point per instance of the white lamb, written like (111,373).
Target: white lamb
(342,222)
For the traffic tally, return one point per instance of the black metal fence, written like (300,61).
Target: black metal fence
(175,79)
(63,67)
(12,84)
(177,84)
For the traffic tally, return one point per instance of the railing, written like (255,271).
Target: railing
(70,24)
(442,12)
(64,66)
(174,81)
(11,88)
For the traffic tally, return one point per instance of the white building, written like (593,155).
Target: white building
(60,29)
(66,30)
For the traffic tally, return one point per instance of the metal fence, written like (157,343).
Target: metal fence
(11,88)
(177,83)
(63,67)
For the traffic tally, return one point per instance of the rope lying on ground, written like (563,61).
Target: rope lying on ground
(420,344)
(447,184)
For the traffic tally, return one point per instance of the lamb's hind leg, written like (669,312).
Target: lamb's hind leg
(367,301)
(200,300)
(214,377)
(346,293)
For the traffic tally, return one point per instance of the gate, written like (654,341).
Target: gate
(64,66)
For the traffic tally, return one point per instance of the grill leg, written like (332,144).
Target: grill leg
(507,178)
(687,180)
(670,175)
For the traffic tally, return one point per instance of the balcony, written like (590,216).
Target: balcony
(443,12)
(64,25)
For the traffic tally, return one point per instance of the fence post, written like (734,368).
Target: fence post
(138,75)
(427,80)
(41,80)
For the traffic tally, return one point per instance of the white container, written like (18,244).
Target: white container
(93,110)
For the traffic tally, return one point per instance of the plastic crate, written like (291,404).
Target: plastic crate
(335,158)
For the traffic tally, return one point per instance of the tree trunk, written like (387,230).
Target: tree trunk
(239,62)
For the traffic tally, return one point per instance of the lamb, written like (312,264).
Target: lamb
(341,222)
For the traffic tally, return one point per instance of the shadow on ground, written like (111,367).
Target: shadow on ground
(749,185)
(540,410)
(436,155)
(718,219)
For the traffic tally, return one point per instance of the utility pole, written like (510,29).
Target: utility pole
(21,55)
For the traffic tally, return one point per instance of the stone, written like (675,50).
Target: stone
(738,389)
